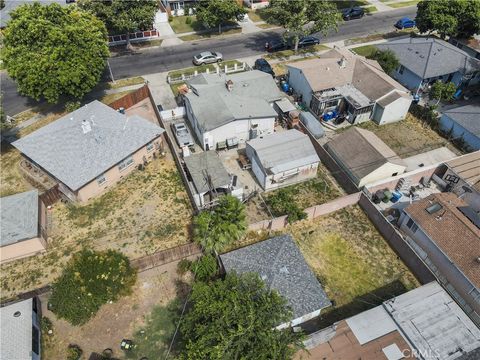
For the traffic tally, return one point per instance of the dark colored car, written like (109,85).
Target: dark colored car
(353,13)
(275,45)
(308,41)
(405,23)
(263,65)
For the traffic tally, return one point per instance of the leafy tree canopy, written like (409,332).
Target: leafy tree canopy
(123,16)
(219,227)
(387,60)
(90,280)
(214,13)
(235,318)
(443,91)
(205,268)
(458,18)
(303,17)
(282,202)
(54,51)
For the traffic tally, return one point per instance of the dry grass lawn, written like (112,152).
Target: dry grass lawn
(11,180)
(409,137)
(146,212)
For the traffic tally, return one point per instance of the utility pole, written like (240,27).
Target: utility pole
(110,70)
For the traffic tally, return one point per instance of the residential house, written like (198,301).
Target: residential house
(424,323)
(230,109)
(282,158)
(20,335)
(463,123)
(426,60)
(91,149)
(462,177)
(282,267)
(209,179)
(256,4)
(20,233)
(177,7)
(364,157)
(11,5)
(444,231)
(349,84)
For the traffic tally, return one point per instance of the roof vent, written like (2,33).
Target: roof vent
(229,85)
(434,208)
(17,314)
(86,127)
(478,259)
(121,110)
(343,63)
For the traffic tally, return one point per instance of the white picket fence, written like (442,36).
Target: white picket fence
(220,69)
(173,114)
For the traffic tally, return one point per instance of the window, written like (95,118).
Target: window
(411,225)
(35,340)
(125,163)
(401,69)
(150,146)
(395,174)
(101,179)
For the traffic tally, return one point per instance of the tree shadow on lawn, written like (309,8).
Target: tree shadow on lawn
(356,306)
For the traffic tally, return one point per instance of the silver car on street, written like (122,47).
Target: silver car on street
(207,57)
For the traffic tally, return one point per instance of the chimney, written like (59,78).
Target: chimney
(121,110)
(343,63)
(229,84)
(86,127)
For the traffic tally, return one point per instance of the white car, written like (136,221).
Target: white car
(182,134)
(207,57)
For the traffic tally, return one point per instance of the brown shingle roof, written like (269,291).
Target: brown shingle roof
(366,75)
(361,151)
(452,231)
(468,168)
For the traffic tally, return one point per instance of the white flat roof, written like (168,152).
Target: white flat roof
(432,157)
(16,331)
(371,324)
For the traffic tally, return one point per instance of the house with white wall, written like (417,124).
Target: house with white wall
(426,60)
(349,84)
(463,122)
(364,156)
(282,159)
(231,109)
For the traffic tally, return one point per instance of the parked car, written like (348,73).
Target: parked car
(182,134)
(353,13)
(207,57)
(308,41)
(405,23)
(275,45)
(263,65)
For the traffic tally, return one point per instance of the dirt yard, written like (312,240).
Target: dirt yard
(114,322)
(409,137)
(147,211)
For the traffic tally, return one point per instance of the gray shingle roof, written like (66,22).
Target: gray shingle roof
(207,162)
(429,57)
(281,265)
(214,106)
(19,214)
(76,158)
(11,5)
(466,116)
(16,332)
(361,151)
(284,150)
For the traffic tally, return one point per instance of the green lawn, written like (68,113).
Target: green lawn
(370,9)
(191,70)
(209,35)
(366,50)
(287,53)
(180,24)
(256,15)
(343,4)
(403,4)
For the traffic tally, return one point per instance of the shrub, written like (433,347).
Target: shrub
(183,266)
(283,203)
(72,106)
(90,280)
(205,268)
(188,20)
(74,352)
(170,18)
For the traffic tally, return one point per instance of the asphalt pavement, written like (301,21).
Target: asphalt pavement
(162,59)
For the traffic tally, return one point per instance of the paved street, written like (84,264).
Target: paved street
(162,59)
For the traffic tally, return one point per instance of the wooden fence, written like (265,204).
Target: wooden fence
(132,98)
(165,256)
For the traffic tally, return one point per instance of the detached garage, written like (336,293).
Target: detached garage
(391,108)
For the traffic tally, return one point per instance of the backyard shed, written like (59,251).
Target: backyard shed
(209,179)
(364,157)
(280,264)
(282,158)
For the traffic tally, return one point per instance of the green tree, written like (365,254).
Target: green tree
(302,17)
(123,16)
(214,13)
(458,18)
(219,227)
(205,268)
(442,91)
(387,60)
(283,203)
(90,280)
(235,318)
(54,51)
